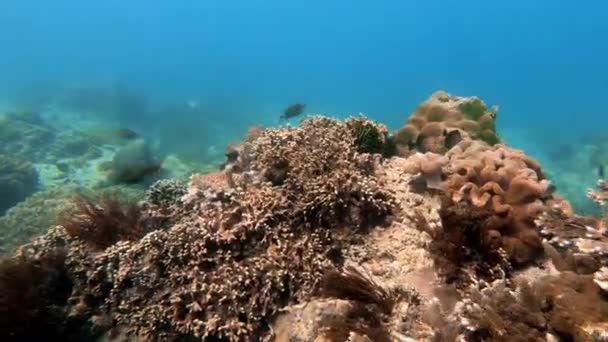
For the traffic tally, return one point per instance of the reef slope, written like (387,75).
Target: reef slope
(333,230)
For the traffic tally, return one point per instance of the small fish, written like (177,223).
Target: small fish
(601,171)
(127,133)
(293,110)
(452,138)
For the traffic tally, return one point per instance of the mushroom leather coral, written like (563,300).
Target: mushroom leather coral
(428,127)
(506,184)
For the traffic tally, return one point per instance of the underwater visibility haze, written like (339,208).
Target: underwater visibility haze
(304,170)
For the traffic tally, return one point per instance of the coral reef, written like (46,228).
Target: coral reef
(33,293)
(567,307)
(491,197)
(23,136)
(18,179)
(317,232)
(229,259)
(165,192)
(442,120)
(34,215)
(26,135)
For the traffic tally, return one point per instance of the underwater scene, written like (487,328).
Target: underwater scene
(304,171)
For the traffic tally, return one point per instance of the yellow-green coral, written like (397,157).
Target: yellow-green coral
(370,137)
(428,126)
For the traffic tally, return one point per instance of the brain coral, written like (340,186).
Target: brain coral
(442,120)
(228,257)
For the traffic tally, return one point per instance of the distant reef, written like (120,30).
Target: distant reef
(332,230)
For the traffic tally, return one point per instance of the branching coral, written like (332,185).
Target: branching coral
(240,245)
(319,163)
(165,192)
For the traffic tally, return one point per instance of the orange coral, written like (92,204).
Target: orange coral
(509,186)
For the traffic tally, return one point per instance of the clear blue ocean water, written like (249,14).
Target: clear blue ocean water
(240,63)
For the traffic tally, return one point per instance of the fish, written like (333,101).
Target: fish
(293,110)
(452,138)
(601,171)
(127,133)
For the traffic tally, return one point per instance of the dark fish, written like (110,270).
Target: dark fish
(452,138)
(293,111)
(601,171)
(127,133)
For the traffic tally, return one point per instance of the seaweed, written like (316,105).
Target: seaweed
(367,137)
(33,299)
(352,285)
(359,319)
(371,303)
(101,226)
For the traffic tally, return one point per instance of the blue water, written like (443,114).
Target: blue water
(545,63)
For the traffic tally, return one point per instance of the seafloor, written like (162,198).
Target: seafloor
(333,230)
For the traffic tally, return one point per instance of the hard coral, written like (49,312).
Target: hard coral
(319,162)
(561,307)
(431,127)
(165,192)
(576,243)
(232,256)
